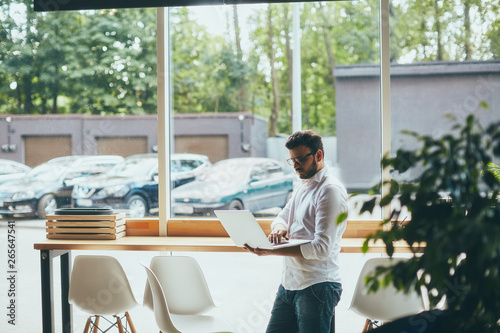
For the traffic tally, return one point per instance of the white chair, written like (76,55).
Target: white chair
(386,304)
(184,284)
(100,287)
(171,323)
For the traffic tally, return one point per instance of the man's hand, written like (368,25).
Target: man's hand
(257,251)
(278,234)
(292,251)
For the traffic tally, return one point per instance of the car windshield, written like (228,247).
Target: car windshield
(46,172)
(226,172)
(133,167)
(9,168)
(185,165)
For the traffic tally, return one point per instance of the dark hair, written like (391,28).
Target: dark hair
(306,138)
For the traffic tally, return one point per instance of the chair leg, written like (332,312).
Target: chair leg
(96,324)
(87,325)
(130,323)
(368,326)
(119,323)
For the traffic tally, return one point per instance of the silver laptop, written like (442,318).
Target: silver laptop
(243,228)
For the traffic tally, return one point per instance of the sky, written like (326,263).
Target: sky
(215,17)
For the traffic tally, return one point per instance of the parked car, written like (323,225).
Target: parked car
(239,183)
(11,170)
(133,185)
(49,185)
(186,167)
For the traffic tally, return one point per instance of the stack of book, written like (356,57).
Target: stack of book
(79,224)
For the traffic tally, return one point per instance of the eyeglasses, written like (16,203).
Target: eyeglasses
(298,160)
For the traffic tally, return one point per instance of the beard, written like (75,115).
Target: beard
(311,172)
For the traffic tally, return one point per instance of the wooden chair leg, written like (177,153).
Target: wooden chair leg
(87,325)
(130,323)
(367,326)
(119,323)
(96,324)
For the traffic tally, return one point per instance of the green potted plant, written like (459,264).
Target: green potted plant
(455,212)
(494,169)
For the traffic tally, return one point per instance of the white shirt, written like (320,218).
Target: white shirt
(312,213)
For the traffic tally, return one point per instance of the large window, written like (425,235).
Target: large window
(229,89)
(78,89)
(92,90)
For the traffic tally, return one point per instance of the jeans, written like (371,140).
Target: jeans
(306,311)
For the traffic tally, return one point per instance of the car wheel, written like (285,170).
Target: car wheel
(47,205)
(137,206)
(235,205)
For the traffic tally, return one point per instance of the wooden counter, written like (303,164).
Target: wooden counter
(188,244)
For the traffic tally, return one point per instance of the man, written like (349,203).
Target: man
(310,287)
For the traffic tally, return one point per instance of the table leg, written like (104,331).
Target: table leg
(65,306)
(47,292)
(46,257)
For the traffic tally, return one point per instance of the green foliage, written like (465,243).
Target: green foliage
(97,62)
(494,169)
(455,212)
(493,35)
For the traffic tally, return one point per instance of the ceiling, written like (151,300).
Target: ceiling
(60,5)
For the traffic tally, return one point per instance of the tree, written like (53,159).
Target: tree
(273,119)
(495,40)
(69,70)
(289,62)
(51,58)
(433,30)
(113,69)
(18,56)
(243,94)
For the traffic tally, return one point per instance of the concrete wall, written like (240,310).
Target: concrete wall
(421,96)
(249,132)
(246,133)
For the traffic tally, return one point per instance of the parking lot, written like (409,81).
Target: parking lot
(243,285)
